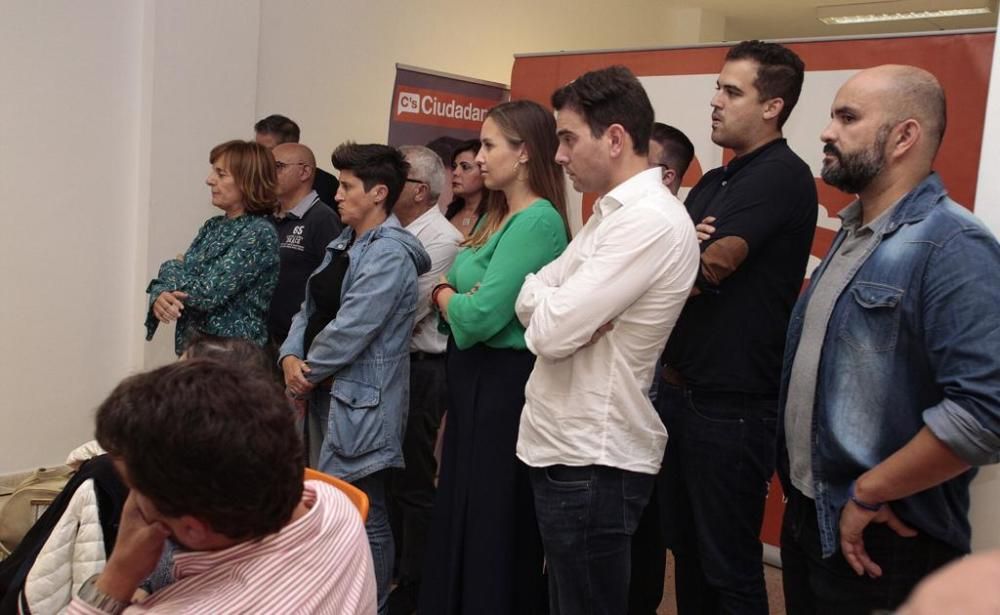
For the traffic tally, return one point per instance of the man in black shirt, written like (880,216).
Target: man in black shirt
(277,129)
(671,151)
(305,225)
(722,364)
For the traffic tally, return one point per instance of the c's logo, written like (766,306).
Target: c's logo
(409,102)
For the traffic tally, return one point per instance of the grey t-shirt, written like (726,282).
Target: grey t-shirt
(801,396)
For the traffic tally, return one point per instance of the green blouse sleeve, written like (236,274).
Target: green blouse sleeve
(528,243)
(253,253)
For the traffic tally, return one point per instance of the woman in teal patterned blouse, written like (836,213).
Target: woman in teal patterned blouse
(223,284)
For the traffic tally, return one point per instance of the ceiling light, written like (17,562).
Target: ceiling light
(900,10)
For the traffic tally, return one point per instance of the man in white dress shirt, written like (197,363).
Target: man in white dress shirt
(412,489)
(597,318)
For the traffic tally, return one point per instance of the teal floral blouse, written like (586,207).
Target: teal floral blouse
(229,274)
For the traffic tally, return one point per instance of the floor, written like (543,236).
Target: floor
(772,576)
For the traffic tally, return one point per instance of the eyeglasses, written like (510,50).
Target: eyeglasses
(281,165)
(416,181)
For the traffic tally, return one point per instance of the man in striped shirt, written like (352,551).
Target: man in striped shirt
(214,464)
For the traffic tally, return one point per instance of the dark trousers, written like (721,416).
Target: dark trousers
(411,490)
(649,560)
(587,516)
(379,533)
(830,586)
(716,472)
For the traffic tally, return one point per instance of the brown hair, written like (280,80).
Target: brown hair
(528,123)
(210,440)
(252,166)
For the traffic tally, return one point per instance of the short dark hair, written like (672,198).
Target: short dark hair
(284,129)
(374,164)
(209,440)
(609,96)
(780,72)
(678,151)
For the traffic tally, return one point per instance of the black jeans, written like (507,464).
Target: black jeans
(587,516)
(716,472)
(649,560)
(830,586)
(412,489)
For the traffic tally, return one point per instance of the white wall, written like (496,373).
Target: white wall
(110,109)
(204,85)
(68,146)
(336,80)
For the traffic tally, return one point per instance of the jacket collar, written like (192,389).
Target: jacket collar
(918,203)
(344,240)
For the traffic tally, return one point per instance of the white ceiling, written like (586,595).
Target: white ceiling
(773,19)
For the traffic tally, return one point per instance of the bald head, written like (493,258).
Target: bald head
(296,167)
(296,152)
(907,92)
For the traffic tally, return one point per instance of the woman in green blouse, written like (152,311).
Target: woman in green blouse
(223,284)
(484,553)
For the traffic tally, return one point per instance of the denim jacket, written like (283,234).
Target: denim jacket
(913,341)
(366,349)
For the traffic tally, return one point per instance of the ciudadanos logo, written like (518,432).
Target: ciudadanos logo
(424,106)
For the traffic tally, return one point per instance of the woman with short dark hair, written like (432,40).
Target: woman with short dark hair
(348,349)
(223,284)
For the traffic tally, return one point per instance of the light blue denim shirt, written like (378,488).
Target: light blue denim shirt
(913,341)
(366,349)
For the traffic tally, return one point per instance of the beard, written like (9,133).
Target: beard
(852,172)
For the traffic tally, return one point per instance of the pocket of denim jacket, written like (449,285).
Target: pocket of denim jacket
(871,318)
(356,423)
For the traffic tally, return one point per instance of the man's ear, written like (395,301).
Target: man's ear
(619,140)
(773,108)
(669,177)
(904,137)
(423,193)
(193,532)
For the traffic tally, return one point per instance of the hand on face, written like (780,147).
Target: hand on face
(137,549)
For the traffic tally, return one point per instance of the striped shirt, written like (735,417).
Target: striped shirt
(320,563)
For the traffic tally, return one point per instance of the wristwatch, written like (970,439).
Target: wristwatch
(98,599)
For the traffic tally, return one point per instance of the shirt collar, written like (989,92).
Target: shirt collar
(629,190)
(424,219)
(188,563)
(740,162)
(302,207)
(851,216)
